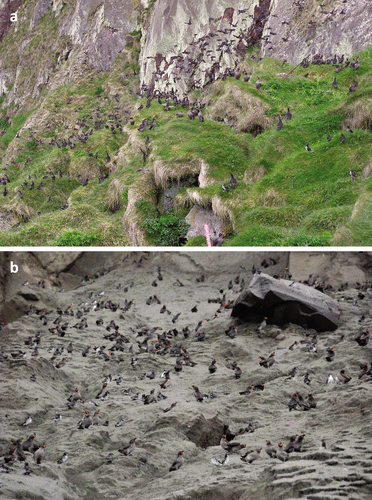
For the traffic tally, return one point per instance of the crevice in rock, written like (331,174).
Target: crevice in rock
(260,17)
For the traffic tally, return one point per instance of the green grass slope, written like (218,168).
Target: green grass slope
(285,195)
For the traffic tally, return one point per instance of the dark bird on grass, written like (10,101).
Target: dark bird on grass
(129,448)
(353,88)
(258,84)
(352,174)
(177,464)
(225,188)
(246,78)
(85,183)
(307,147)
(5,192)
(237,75)
(349,129)
(342,137)
(232,182)
(329,137)
(355,64)
(335,84)
(200,116)
(21,195)
(288,115)
(251,456)
(279,125)
(32,185)
(153,124)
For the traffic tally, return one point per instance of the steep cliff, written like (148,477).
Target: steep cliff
(81,82)
(33,385)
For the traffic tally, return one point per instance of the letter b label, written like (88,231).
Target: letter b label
(13,267)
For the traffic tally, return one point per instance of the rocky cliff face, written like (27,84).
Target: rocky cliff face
(184,45)
(77,36)
(35,386)
(188,45)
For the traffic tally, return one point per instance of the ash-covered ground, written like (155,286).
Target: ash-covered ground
(33,385)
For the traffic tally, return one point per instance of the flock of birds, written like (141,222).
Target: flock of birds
(154,341)
(228,41)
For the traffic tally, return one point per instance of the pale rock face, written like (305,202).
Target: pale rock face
(169,35)
(178,55)
(98,30)
(340,28)
(39,11)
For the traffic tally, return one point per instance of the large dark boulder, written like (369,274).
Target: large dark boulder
(283,301)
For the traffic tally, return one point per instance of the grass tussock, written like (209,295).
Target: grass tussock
(115,192)
(242,111)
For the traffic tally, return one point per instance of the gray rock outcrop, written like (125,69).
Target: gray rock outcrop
(284,301)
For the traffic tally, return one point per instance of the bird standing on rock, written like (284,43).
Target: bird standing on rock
(251,456)
(128,449)
(212,367)
(177,464)
(281,454)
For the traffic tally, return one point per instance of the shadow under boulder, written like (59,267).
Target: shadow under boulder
(283,301)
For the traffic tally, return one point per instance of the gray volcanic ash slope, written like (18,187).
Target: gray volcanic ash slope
(342,415)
